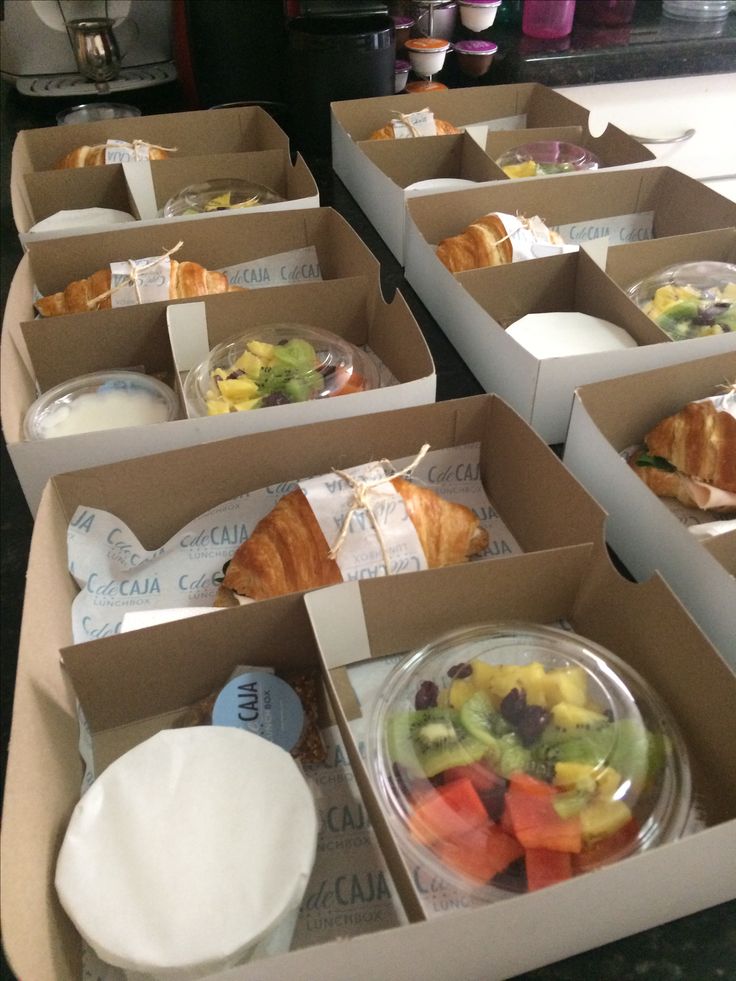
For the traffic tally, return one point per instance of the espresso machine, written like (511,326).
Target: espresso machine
(85,47)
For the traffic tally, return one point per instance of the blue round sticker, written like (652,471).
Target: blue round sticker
(264,704)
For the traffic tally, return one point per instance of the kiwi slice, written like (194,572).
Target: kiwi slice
(430,741)
(480,718)
(626,746)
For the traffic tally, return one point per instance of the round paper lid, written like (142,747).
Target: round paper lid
(561,334)
(207,832)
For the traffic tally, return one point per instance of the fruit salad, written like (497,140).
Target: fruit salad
(219,195)
(690,310)
(277,365)
(522,775)
(546,157)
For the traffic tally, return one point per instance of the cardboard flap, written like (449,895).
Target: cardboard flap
(140,184)
(336,615)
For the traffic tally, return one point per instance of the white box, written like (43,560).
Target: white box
(463,303)
(142,189)
(608,418)
(198,133)
(377,175)
(38,354)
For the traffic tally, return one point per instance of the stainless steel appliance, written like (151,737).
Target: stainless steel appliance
(37,51)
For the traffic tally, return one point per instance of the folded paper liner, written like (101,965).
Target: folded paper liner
(188,852)
(117,575)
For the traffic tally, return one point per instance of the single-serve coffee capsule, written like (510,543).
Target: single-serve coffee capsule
(190,854)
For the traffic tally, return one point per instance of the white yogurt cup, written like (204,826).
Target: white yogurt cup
(208,832)
(427,54)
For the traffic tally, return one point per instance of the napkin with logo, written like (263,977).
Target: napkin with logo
(117,575)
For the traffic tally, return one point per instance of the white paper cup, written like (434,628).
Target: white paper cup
(209,832)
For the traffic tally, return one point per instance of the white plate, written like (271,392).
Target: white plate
(438,184)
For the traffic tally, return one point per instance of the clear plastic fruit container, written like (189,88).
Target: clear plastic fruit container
(510,756)
(690,299)
(546,157)
(98,401)
(276,364)
(229,194)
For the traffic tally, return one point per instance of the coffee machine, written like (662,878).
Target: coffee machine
(37,52)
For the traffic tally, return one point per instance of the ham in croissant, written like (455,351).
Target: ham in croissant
(287,551)
(94,156)
(188,279)
(691,456)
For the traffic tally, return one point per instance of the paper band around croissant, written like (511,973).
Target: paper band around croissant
(94,156)
(287,551)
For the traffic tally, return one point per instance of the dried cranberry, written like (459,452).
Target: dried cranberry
(460,671)
(426,696)
(235,373)
(276,398)
(513,705)
(531,725)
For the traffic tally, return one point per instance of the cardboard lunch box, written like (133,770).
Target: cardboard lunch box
(493,942)
(600,213)
(377,178)
(609,418)
(131,685)
(142,190)
(201,132)
(157,339)
(217,243)
(155,496)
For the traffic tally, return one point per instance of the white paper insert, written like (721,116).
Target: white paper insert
(282,269)
(414,124)
(117,575)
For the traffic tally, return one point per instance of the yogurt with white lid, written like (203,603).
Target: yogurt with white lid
(100,401)
(208,832)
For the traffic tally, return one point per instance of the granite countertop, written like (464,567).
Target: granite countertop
(651,46)
(698,947)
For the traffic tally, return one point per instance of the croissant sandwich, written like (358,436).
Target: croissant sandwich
(691,456)
(388,132)
(486,242)
(287,551)
(187,279)
(94,156)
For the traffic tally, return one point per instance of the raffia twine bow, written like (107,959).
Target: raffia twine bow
(526,223)
(404,118)
(132,279)
(361,502)
(136,146)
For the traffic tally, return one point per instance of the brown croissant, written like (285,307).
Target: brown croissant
(94,156)
(699,442)
(187,279)
(287,551)
(388,132)
(484,242)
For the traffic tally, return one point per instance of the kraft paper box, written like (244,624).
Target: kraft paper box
(235,130)
(493,942)
(602,213)
(612,416)
(62,348)
(217,243)
(377,177)
(142,189)
(155,497)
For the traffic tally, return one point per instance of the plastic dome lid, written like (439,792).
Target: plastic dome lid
(98,401)
(508,756)
(690,299)
(227,194)
(546,157)
(276,364)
